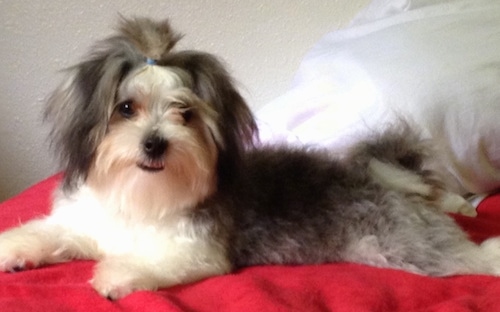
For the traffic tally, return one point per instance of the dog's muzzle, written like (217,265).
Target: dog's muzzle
(154,148)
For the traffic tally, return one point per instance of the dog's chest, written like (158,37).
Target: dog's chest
(115,234)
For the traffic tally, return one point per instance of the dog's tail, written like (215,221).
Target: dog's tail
(400,145)
(400,159)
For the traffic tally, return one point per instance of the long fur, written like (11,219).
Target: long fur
(164,185)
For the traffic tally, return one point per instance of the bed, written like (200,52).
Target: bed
(329,287)
(436,65)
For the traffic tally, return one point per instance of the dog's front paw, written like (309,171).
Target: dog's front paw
(18,252)
(115,279)
(35,243)
(13,263)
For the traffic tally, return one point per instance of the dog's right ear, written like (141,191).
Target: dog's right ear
(80,108)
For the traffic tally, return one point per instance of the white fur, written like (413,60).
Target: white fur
(411,183)
(451,202)
(397,179)
(168,252)
(491,249)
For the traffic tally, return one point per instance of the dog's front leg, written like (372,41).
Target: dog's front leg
(118,276)
(40,242)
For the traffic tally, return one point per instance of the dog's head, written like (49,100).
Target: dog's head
(134,110)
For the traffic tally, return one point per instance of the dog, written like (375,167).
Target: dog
(165,182)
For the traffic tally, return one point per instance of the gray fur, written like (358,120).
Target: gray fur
(153,39)
(305,206)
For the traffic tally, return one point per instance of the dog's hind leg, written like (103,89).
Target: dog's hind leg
(455,255)
(475,259)
(407,233)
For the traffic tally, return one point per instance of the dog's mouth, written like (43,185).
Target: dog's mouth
(151,165)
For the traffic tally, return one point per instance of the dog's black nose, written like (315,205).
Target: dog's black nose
(154,146)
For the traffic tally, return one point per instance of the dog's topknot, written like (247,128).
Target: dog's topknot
(154,39)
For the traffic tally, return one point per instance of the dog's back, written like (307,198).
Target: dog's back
(288,199)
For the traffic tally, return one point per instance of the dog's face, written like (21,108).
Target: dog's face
(161,135)
(159,125)
(161,142)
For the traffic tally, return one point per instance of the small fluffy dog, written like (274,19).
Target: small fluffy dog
(164,185)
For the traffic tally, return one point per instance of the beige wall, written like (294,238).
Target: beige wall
(262,41)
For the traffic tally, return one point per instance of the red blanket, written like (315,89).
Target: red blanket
(332,287)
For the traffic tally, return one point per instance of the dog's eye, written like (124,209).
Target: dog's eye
(126,109)
(187,114)
(184,110)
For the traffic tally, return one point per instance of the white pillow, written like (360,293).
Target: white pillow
(436,63)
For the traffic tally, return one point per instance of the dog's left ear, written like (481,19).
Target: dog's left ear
(214,85)
(235,121)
